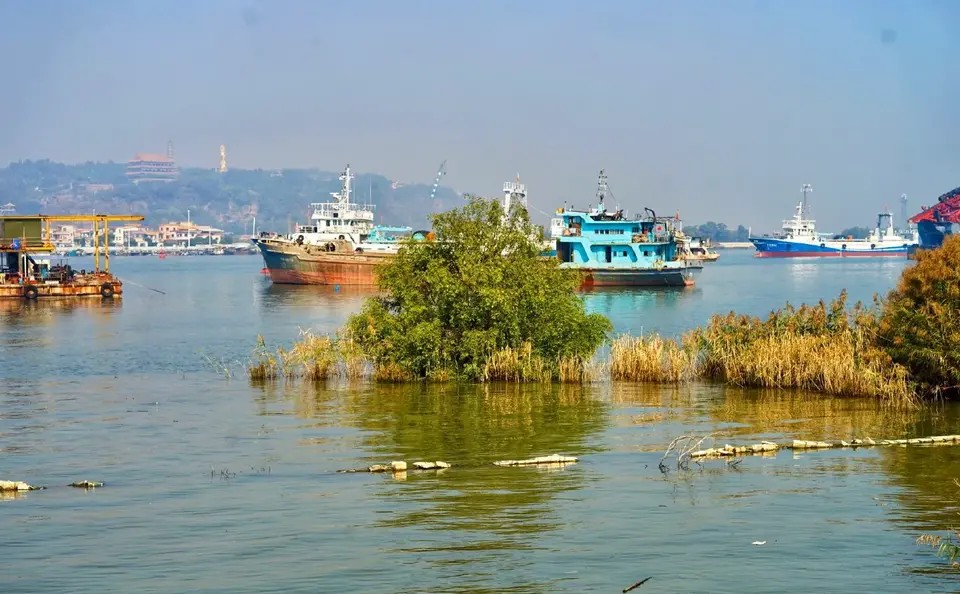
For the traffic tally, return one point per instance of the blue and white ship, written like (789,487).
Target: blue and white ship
(612,250)
(799,239)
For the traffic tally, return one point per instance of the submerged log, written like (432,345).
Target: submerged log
(551,459)
(17,486)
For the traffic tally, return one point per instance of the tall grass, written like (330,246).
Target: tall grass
(520,365)
(822,348)
(651,359)
(312,357)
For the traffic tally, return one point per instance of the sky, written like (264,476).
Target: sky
(718,110)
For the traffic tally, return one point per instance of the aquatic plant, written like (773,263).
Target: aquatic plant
(478,303)
(313,357)
(947,548)
(516,365)
(651,358)
(920,326)
(264,364)
(823,348)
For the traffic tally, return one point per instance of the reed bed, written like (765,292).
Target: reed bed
(651,359)
(523,365)
(822,348)
(825,348)
(520,365)
(312,357)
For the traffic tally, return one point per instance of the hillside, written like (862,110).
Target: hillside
(230,201)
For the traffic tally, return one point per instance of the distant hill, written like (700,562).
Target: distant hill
(278,199)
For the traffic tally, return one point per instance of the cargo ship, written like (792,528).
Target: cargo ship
(611,250)
(800,239)
(339,246)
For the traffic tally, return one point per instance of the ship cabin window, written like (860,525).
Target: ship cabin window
(647,253)
(635,230)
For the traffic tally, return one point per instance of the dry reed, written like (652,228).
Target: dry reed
(313,357)
(823,348)
(519,365)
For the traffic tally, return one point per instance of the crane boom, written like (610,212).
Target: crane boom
(33,233)
(441,171)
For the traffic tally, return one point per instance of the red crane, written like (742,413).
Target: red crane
(946,210)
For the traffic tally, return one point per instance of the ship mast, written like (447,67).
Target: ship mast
(602,190)
(343,196)
(805,189)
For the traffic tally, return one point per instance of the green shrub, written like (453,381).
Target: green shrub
(920,326)
(479,288)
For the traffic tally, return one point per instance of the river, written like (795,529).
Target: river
(217,485)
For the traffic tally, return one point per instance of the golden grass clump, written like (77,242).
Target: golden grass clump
(651,359)
(516,365)
(313,357)
(822,348)
(574,369)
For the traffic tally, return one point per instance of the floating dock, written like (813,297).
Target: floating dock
(26,270)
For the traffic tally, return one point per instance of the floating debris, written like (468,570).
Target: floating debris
(637,585)
(86,484)
(395,466)
(551,459)
(438,465)
(801,444)
(18,486)
(759,543)
(729,450)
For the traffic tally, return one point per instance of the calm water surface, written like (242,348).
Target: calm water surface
(214,485)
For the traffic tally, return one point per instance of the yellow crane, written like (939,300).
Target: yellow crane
(34,233)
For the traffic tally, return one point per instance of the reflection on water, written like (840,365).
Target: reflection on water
(18,310)
(466,423)
(328,305)
(120,394)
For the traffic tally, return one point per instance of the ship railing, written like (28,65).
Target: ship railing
(343,210)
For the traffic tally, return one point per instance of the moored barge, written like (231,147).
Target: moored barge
(26,271)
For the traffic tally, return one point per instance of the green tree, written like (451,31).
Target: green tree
(858,232)
(478,288)
(920,326)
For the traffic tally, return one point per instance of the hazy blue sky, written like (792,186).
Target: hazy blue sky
(719,109)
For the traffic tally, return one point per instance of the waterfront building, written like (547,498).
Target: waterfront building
(149,167)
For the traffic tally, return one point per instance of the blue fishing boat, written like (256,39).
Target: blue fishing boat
(800,239)
(612,250)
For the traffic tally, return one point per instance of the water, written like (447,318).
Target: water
(214,485)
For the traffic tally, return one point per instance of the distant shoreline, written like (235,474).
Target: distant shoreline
(733,245)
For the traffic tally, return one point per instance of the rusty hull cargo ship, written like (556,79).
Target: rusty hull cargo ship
(26,271)
(333,263)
